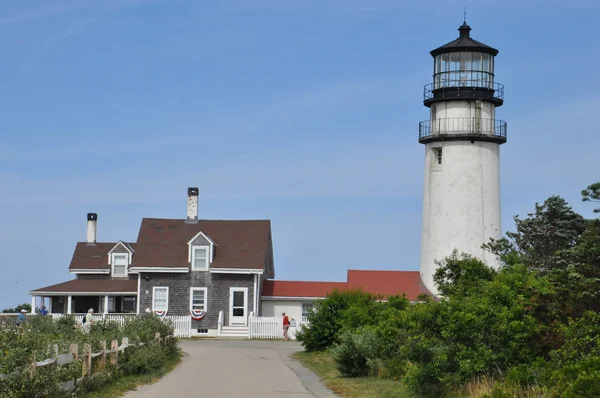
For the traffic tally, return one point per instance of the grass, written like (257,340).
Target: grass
(124,384)
(323,365)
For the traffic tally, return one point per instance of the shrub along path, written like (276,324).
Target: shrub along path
(237,368)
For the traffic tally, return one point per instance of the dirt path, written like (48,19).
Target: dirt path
(237,368)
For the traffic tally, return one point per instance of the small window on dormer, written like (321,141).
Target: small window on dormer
(200,258)
(119,264)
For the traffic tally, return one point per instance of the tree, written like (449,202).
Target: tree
(18,308)
(592,194)
(462,273)
(552,228)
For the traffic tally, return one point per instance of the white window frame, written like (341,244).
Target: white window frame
(302,312)
(114,257)
(206,261)
(111,304)
(154,297)
(192,289)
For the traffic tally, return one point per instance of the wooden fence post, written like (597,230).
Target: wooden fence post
(157,337)
(87,360)
(103,355)
(74,349)
(114,345)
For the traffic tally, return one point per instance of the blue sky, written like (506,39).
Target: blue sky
(305,112)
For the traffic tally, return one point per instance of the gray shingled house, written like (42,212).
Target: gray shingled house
(177,266)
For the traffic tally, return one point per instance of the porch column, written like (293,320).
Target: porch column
(33,304)
(105,306)
(69,304)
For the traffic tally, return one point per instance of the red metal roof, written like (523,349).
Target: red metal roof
(274,288)
(384,283)
(388,283)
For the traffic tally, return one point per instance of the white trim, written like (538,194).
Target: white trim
(154,294)
(205,289)
(245,317)
(89,271)
(212,242)
(254,309)
(69,304)
(127,262)
(236,271)
(206,259)
(137,298)
(184,270)
(295,298)
(210,246)
(47,294)
(126,246)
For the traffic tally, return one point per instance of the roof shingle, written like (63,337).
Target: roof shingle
(240,244)
(92,286)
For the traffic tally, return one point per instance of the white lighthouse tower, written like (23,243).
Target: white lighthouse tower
(461,201)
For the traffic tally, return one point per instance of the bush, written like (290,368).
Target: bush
(34,341)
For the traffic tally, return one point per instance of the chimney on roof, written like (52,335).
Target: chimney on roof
(92,218)
(192,207)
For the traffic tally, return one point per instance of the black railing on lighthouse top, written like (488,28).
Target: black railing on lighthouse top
(469,89)
(462,128)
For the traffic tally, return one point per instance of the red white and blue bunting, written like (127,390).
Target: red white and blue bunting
(197,315)
(160,314)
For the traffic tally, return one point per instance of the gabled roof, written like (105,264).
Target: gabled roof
(91,286)
(125,245)
(241,244)
(92,256)
(273,288)
(384,283)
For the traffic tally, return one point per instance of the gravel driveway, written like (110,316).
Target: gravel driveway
(236,368)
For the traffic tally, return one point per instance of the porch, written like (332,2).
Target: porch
(78,296)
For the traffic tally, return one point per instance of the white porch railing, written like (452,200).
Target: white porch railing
(182,324)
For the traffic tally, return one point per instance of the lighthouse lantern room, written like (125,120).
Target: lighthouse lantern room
(462,138)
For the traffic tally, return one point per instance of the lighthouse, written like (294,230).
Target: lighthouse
(462,138)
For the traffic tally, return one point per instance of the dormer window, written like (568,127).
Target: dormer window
(200,258)
(119,264)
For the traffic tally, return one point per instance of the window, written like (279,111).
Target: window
(119,264)
(111,304)
(439,155)
(128,304)
(160,298)
(306,309)
(200,258)
(198,299)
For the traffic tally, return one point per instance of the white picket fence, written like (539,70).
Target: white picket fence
(182,324)
(270,327)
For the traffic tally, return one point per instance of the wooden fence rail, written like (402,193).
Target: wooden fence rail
(86,357)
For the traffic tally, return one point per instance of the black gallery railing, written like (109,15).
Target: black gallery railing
(466,88)
(463,125)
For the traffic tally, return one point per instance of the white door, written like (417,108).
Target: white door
(238,306)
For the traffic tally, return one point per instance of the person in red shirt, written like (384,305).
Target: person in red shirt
(286,325)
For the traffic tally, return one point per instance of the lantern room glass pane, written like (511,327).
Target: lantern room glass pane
(454,61)
(445,63)
(438,64)
(466,60)
(486,63)
(476,65)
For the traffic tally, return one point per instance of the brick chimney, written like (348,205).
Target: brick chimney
(192,207)
(92,218)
